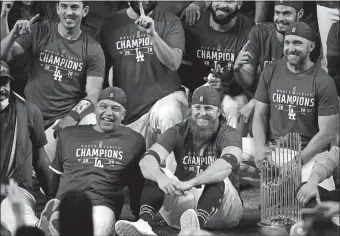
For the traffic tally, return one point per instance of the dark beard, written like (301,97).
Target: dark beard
(149,8)
(226,20)
(202,135)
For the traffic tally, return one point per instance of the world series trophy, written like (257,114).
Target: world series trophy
(280,176)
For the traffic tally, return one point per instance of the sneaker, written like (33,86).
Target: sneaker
(138,228)
(48,215)
(189,222)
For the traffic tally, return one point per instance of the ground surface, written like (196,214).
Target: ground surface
(247,226)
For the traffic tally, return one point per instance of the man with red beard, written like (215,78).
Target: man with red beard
(212,46)
(203,191)
(296,96)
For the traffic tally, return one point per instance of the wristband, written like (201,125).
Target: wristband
(83,108)
(231,159)
(154,154)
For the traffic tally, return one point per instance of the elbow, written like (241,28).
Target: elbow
(142,166)
(175,65)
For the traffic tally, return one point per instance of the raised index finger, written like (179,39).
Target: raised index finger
(141,9)
(245,46)
(34,18)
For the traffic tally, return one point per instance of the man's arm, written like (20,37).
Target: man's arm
(260,123)
(220,169)
(150,163)
(326,134)
(5,9)
(44,174)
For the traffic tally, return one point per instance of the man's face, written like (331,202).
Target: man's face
(5,88)
(224,11)
(283,16)
(148,6)
(109,115)
(296,49)
(71,13)
(204,116)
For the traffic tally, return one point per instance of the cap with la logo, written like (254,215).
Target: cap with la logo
(206,95)
(114,94)
(301,29)
(5,71)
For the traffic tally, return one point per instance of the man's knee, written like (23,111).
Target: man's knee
(103,220)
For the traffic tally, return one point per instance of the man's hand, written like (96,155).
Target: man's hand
(11,191)
(192,14)
(145,23)
(63,123)
(6,8)
(260,156)
(243,57)
(307,192)
(185,185)
(214,82)
(169,186)
(247,111)
(22,27)
(333,208)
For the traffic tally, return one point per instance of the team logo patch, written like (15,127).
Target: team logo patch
(3,68)
(294,29)
(201,98)
(112,94)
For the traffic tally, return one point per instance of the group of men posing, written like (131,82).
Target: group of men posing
(78,136)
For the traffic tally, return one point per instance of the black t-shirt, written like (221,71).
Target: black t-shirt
(209,49)
(96,163)
(136,67)
(192,161)
(296,100)
(333,53)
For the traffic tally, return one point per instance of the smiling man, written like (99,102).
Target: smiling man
(296,96)
(66,68)
(100,160)
(207,151)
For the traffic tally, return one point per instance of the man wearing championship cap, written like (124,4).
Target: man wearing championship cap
(203,191)
(100,160)
(22,141)
(296,96)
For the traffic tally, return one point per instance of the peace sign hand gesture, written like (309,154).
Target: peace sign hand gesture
(145,23)
(243,57)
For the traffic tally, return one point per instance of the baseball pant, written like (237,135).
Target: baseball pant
(8,217)
(227,216)
(50,147)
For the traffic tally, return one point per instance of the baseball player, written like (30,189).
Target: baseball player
(100,160)
(296,95)
(205,182)
(66,69)
(212,46)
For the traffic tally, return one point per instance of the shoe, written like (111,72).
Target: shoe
(189,222)
(49,223)
(138,228)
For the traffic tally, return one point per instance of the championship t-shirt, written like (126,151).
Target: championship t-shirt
(96,163)
(192,161)
(208,49)
(296,100)
(333,53)
(59,69)
(136,67)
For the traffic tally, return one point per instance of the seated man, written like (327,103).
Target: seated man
(295,95)
(22,146)
(207,152)
(100,160)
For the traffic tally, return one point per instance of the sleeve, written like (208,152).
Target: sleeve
(253,46)
(329,160)
(175,36)
(333,47)
(36,126)
(262,90)
(58,163)
(231,138)
(26,40)
(328,103)
(135,179)
(168,139)
(96,62)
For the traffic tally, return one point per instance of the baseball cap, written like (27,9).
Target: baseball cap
(206,95)
(5,71)
(301,29)
(295,4)
(114,94)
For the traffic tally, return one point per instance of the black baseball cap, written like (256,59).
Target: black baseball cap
(5,71)
(114,94)
(295,4)
(301,29)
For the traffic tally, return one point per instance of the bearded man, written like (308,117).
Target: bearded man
(212,46)
(203,191)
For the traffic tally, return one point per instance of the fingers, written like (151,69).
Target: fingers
(192,17)
(56,132)
(141,9)
(245,46)
(34,18)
